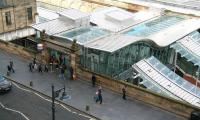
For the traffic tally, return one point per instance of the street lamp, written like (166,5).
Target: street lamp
(197,74)
(55,94)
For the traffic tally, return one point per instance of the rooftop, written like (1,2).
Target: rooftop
(54,26)
(73,14)
(160,38)
(181,6)
(83,35)
(116,19)
(47,14)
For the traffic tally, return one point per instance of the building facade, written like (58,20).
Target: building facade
(16,14)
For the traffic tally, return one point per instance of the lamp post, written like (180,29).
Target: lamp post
(197,74)
(55,94)
(53,104)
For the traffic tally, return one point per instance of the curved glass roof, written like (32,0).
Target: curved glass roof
(83,35)
(189,47)
(154,71)
(156,25)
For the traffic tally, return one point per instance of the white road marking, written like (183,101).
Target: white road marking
(22,114)
(66,108)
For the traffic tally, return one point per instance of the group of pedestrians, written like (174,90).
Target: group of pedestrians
(33,66)
(98,97)
(10,68)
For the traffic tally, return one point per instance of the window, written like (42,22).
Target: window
(8,18)
(29,12)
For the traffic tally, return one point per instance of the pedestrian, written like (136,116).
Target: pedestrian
(46,68)
(11,66)
(93,80)
(35,67)
(30,67)
(8,70)
(34,61)
(99,95)
(71,73)
(62,73)
(124,92)
(40,68)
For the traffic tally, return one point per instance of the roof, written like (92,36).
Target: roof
(189,47)
(161,38)
(47,14)
(73,14)
(84,34)
(112,42)
(112,18)
(17,34)
(54,26)
(189,7)
(153,70)
(175,32)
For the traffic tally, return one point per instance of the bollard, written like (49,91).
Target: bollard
(31,83)
(87,108)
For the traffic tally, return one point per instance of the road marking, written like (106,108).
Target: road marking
(66,108)
(22,114)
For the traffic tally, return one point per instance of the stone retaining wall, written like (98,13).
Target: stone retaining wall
(135,92)
(18,50)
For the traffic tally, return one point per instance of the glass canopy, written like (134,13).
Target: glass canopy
(151,27)
(159,78)
(85,34)
(189,47)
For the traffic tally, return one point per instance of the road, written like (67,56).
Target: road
(82,92)
(32,106)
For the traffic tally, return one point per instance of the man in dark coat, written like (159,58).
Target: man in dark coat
(124,92)
(93,80)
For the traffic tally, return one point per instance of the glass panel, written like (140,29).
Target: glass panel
(180,81)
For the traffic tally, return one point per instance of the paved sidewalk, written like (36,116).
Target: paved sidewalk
(113,107)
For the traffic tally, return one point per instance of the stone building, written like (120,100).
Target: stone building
(16,15)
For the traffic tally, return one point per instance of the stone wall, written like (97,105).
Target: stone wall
(1,22)
(18,50)
(134,92)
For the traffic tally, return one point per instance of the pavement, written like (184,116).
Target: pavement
(32,106)
(82,93)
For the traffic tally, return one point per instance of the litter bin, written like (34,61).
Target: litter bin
(195,115)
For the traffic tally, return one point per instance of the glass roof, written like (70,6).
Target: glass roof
(151,27)
(172,76)
(161,79)
(83,35)
(189,47)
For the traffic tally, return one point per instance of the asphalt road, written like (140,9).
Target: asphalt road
(32,106)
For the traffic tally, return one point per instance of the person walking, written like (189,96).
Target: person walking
(11,66)
(99,95)
(30,67)
(93,80)
(46,68)
(124,92)
(8,70)
(62,73)
(40,68)
(34,61)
